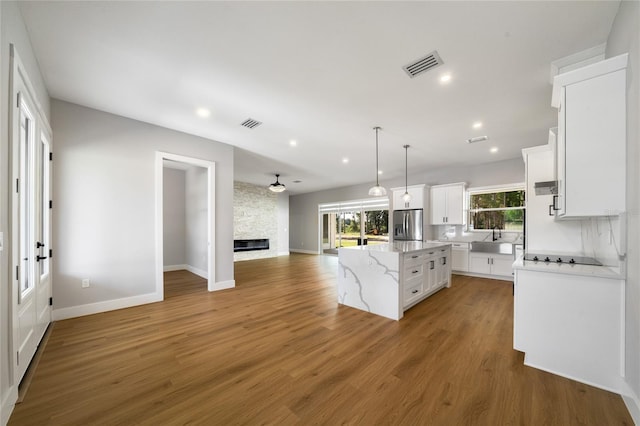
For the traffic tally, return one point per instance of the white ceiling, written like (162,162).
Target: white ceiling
(321,73)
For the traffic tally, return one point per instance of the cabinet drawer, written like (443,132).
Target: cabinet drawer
(413,271)
(411,259)
(412,289)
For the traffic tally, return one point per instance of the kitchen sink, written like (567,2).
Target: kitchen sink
(491,247)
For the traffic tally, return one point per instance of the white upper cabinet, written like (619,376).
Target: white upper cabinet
(417,197)
(591,144)
(447,204)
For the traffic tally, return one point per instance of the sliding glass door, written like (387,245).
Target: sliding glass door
(352,223)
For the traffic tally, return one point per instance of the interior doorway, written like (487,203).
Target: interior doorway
(184,220)
(185,223)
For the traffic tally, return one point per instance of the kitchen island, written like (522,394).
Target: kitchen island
(388,279)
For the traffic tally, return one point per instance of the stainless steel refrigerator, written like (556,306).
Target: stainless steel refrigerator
(407,225)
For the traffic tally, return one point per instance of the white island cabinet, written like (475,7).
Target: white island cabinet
(388,279)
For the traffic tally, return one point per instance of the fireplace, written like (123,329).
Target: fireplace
(251,244)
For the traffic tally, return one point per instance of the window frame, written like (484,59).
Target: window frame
(490,190)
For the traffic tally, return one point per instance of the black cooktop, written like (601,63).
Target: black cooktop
(558,258)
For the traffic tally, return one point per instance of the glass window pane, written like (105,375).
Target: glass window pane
(377,226)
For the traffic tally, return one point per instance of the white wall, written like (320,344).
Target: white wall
(303,208)
(103,223)
(12,31)
(174,220)
(196,220)
(624,38)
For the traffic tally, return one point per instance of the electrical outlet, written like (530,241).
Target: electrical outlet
(86,283)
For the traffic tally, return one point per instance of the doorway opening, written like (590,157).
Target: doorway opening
(185,219)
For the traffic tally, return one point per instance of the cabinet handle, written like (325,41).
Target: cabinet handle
(488,261)
(550,208)
(432,264)
(492,260)
(415,272)
(555,203)
(414,257)
(414,291)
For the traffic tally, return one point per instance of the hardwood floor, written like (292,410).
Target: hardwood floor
(278,349)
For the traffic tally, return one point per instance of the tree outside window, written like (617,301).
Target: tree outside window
(500,210)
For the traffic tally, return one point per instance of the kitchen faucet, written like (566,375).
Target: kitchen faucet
(493,233)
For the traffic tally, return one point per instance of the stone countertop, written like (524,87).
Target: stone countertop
(399,247)
(565,268)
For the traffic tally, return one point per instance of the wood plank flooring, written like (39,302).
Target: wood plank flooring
(278,349)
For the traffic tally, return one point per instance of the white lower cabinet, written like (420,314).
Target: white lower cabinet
(424,273)
(460,257)
(571,325)
(491,264)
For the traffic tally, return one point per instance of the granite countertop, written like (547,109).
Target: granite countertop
(399,247)
(565,268)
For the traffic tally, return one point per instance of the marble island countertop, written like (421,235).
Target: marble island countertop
(399,246)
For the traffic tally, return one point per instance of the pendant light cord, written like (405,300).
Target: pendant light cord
(406,172)
(377,166)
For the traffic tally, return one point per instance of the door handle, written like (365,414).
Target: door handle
(39,258)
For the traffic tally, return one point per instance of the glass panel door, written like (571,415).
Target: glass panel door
(376,227)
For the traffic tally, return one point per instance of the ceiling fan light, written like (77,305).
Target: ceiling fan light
(277,186)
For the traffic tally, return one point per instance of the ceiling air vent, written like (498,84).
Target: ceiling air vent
(250,123)
(430,61)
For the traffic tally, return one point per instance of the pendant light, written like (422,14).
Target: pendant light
(377,191)
(406,197)
(277,186)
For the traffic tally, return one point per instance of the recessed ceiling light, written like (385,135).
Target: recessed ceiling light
(477,124)
(293,143)
(445,78)
(203,112)
(494,150)
(345,160)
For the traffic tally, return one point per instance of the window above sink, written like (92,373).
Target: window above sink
(500,207)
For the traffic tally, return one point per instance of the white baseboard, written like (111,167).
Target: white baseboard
(615,385)
(169,268)
(199,272)
(633,405)
(491,277)
(223,285)
(303,251)
(189,268)
(283,253)
(6,408)
(107,305)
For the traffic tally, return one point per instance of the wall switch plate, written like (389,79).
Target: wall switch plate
(86,283)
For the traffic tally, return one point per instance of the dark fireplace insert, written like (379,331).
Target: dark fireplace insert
(251,244)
